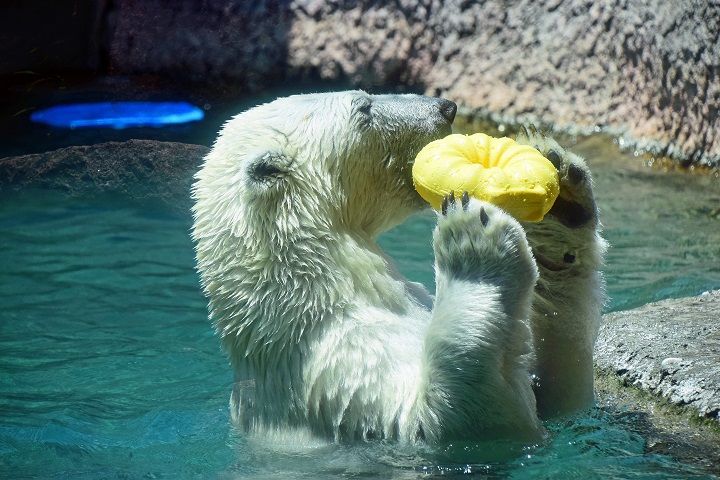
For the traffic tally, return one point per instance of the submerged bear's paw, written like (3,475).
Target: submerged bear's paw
(475,240)
(575,206)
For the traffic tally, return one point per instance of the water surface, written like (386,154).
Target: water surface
(110,369)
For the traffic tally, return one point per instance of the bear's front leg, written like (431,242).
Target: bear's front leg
(476,380)
(569,296)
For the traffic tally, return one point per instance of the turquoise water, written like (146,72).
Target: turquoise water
(109,367)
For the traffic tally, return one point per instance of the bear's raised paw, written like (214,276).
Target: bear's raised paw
(575,206)
(477,241)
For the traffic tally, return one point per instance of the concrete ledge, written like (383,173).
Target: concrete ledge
(670,349)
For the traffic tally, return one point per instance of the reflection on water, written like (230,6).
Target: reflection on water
(110,368)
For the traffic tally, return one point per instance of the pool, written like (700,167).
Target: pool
(110,368)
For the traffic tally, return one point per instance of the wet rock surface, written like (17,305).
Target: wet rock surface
(670,349)
(139,169)
(666,429)
(659,365)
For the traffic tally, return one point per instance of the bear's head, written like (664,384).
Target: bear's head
(341,158)
(288,180)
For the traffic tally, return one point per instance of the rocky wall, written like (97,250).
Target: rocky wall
(647,69)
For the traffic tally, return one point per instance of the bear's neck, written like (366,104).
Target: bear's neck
(271,303)
(372,279)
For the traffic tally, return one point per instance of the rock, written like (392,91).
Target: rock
(644,69)
(382,44)
(140,169)
(670,349)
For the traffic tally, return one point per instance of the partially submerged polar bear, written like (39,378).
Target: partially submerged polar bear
(324,334)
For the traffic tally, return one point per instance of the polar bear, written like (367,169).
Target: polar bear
(327,337)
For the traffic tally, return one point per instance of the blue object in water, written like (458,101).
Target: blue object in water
(118,115)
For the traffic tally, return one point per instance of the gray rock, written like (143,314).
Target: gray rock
(670,349)
(139,169)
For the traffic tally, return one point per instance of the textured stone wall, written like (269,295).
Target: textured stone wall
(645,68)
(649,68)
(370,45)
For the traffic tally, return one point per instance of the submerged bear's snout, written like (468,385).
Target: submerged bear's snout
(448,109)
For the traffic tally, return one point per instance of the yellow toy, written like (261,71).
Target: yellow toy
(516,178)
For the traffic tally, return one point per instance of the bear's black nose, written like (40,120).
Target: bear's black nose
(448,109)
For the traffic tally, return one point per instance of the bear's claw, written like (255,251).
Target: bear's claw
(465,200)
(484,217)
(449,200)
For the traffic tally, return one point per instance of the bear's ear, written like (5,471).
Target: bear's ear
(267,169)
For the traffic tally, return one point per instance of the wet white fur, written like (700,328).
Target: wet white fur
(323,333)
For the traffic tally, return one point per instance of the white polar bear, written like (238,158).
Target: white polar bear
(326,336)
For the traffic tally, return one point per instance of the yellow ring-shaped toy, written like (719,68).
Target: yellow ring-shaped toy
(516,178)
